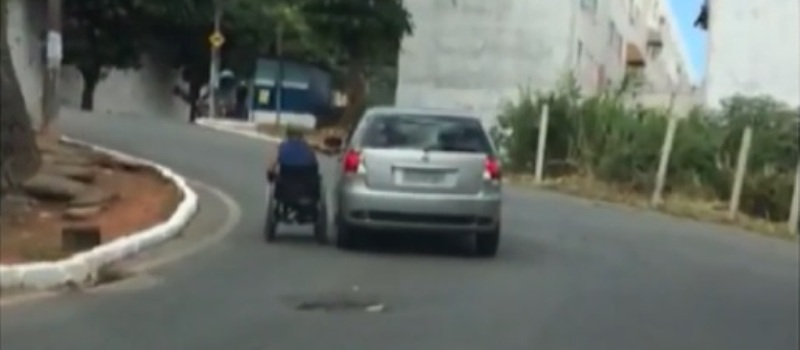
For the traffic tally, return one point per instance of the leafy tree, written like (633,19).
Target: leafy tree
(179,32)
(99,35)
(358,33)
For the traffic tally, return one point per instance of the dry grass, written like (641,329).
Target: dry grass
(677,205)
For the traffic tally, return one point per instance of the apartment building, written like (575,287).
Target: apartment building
(477,54)
(657,52)
(752,49)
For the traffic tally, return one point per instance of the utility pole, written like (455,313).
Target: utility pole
(279,79)
(54,54)
(216,39)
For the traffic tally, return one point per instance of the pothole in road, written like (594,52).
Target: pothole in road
(351,302)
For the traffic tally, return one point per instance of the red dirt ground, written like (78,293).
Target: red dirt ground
(144,199)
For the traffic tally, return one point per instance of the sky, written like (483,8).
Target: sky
(686,12)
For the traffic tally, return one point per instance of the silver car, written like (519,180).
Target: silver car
(419,170)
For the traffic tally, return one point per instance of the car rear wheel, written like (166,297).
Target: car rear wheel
(486,244)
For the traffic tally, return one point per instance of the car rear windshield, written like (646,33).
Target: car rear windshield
(426,132)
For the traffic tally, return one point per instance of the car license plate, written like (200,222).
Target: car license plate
(421,177)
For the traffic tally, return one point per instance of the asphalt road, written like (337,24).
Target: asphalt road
(570,275)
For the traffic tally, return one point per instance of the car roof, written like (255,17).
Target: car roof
(421,111)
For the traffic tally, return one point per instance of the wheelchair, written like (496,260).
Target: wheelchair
(296,199)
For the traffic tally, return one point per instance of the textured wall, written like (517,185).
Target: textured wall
(144,92)
(474,54)
(754,50)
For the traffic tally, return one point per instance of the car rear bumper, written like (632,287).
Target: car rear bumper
(439,213)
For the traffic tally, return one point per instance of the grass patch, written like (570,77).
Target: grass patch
(676,205)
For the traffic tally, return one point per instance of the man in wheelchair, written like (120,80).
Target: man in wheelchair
(296,178)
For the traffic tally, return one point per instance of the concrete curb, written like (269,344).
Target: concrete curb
(83,267)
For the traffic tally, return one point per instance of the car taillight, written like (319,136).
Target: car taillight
(491,169)
(351,162)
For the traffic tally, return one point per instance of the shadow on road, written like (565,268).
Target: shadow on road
(395,243)
(403,243)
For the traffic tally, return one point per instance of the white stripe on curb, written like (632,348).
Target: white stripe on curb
(83,267)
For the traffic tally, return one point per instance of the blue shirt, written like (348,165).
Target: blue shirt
(296,152)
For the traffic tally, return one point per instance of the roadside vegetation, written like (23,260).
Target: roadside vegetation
(347,37)
(52,186)
(603,147)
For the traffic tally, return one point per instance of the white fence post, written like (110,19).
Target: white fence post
(540,149)
(794,210)
(666,151)
(741,169)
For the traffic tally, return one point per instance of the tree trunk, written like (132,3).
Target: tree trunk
(196,75)
(91,76)
(20,155)
(194,95)
(356,94)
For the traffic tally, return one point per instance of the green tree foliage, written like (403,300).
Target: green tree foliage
(113,34)
(604,138)
(99,35)
(359,33)
(177,33)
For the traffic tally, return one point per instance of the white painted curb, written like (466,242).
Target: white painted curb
(246,129)
(83,267)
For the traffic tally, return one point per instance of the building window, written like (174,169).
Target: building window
(589,5)
(653,51)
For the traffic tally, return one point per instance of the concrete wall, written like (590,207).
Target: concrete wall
(475,54)
(601,35)
(753,50)
(144,92)
(675,56)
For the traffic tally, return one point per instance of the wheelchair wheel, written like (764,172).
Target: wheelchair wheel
(321,223)
(271,221)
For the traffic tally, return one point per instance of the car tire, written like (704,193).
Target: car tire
(487,244)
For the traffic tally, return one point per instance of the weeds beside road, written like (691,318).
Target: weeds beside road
(601,147)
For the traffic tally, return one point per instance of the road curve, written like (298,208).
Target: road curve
(570,275)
